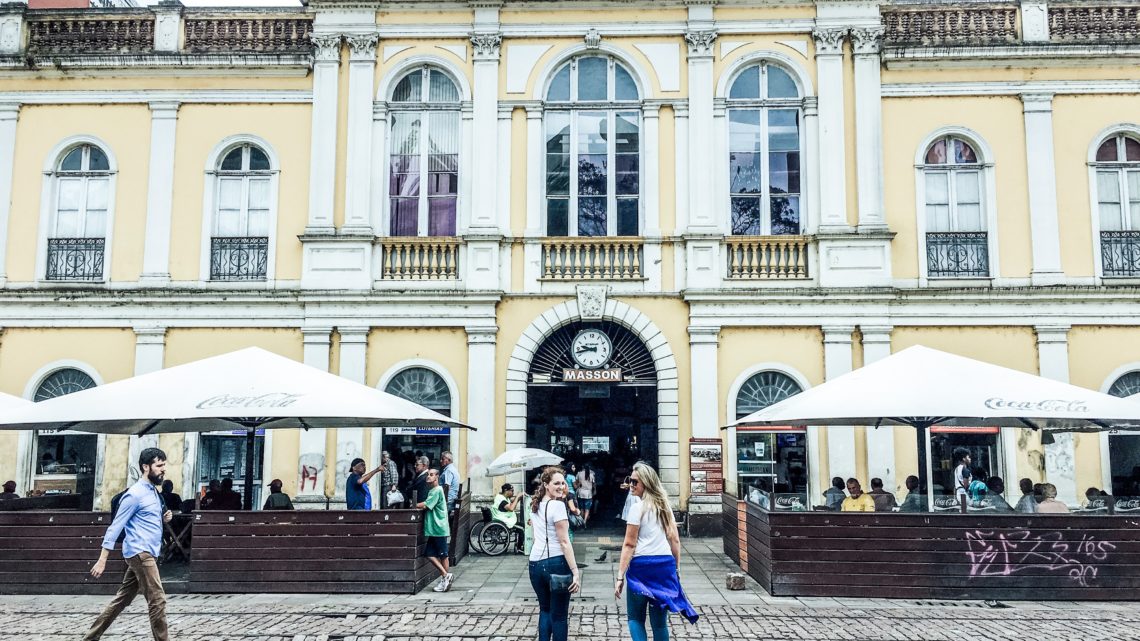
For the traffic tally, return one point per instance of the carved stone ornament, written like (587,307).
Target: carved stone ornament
(593,39)
(592,301)
(363,45)
(700,42)
(326,46)
(828,41)
(486,45)
(867,41)
(9,34)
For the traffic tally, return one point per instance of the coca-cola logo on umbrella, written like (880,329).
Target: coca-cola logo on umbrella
(227,401)
(1046,405)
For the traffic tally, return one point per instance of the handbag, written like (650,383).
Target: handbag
(395,496)
(577,522)
(559,583)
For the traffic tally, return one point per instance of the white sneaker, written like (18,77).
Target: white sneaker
(440,587)
(447,579)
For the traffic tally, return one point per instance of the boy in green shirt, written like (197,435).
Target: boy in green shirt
(436,529)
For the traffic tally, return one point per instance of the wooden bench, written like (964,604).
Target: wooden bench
(52,553)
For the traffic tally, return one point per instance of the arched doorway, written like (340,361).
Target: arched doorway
(592,399)
(65,461)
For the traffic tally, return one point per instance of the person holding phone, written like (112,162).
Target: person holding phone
(553,571)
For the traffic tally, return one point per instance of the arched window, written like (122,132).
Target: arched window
(422,386)
(424,162)
(243,215)
(764,389)
(765,111)
(1124,449)
(1127,385)
(593,149)
(78,233)
(64,453)
(957,244)
(1117,169)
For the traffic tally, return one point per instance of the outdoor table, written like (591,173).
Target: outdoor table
(176,538)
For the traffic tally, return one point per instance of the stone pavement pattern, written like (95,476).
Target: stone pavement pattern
(492,600)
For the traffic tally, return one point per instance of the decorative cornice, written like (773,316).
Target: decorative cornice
(828,42)
(867,41)
(486,45)
(326,46)
(363,46)
(593,39)
(700,42)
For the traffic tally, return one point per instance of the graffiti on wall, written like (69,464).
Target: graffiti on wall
(1008,553)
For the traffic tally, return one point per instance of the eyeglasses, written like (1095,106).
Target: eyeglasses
(633,482)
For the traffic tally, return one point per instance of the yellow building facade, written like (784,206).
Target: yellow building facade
(740,199)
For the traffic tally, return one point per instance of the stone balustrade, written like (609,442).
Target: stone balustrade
(419,258)
(767,257)
(950,25)
(1094,24)
(594,258)
(248,35)
(60,32)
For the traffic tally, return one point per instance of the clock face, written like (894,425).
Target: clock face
(591,348)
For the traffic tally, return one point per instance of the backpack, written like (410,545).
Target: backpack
(115,501)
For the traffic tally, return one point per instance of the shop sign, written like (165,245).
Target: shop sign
(790,502)
(947,503)
(706,466)
(417,431)
(573,375)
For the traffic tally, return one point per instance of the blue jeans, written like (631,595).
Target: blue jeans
(553,607)
(636,605)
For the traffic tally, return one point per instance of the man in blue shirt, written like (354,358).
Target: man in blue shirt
(449,477)
(140,517)
(357,496)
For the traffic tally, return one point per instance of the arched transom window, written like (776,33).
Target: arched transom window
(242,215)
(593,149)
(423,186)
(957,244)
(422,386)
(64,453)
(764,389)
(765,112)
(62,382)
(1127,385)
(1118,199)
(77,240)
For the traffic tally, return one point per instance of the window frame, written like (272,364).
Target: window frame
(1106,386)
(611,106)
(246,175)
(49,205)
(1121,130)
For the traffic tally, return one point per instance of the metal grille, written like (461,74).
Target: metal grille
(238,258)
(957,254)
(63,382)
(423,387)
(629,353)
(1127,385)
(75,258)
(763,390)
(1120,253)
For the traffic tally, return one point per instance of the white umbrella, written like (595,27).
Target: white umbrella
(922,387)
(520,459)
(9,403)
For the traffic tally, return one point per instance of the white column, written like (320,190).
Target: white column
(535,225)
(159,193)
(311,464)
(1060,457)
(869,128)
(350,440)
(358,170)
(150,348)
(650,170)
(836,362)
(485,215)
(9,115)
(681,168)
(1043,226)
(480,409)
(832,154)
(503,197)
(811,133)
(703,381)
(702,214)
(322,150)
(380,182)
(881,440)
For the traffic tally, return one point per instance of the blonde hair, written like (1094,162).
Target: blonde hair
(547,476)
(1049,491)
(655,495)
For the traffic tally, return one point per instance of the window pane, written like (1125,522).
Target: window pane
(258,161)
(592,216)
(258,223)
(744,130)
(627,217)
(559,89)
(408,90)
(558,153)
(1131,149)
(937,201)
(443,180)
(1107,150)
(232,161)
(964,153)
(558,132)
(98,160)
(784,130)
(441,88)
(970,218)
(967,187)
(747,84)
(624,87)
(592,79)
(744,173)
(95,223)
(406,133)
(258,193)
(938,218)
(228,223)
(97,193)
(592,175)
(627,140)
(556,217)
(592,135)
(73,161)
(1134,199)
(443,131)
(441,216)
(405,216)
(70,194)
(627,156)
(628,178)
(784,173)
(746,216)
(936,155)
(229,193)
(557,174)
(785,215)
(780,84)
(405,178)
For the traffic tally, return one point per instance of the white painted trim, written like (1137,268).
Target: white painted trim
(9,123)
(209,204)
(160,193)
(523,30)
(1093,191)
(1105,454)
(1044,226)
(734,68)
(1009,88)
(206,96)
(563,56)
(394,75)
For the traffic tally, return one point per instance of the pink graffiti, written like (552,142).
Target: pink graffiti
(1007,553)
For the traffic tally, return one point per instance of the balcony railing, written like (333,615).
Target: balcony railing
(77,33)
(75,258)
(239,258)
(767,257)
(957,254)
(950,26)
(1120,253)
(255,35)
(419,258)
(1093,24)
(594,258)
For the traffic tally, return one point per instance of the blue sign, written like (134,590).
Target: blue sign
(433,431)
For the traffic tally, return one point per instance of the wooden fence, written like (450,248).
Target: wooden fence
(52,553)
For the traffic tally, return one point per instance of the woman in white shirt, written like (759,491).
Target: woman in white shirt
(650,559)
(553,570)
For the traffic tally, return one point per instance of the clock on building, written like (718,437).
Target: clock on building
(591,348)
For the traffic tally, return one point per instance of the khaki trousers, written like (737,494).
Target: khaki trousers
(142,576)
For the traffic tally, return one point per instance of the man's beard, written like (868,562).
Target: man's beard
(155,479)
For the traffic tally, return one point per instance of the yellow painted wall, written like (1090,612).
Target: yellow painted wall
(725,13)
(667,171)
(182,82)
(560,52)
(126,131)
(420,49)
(1010,74)
(519,177)
(201,128)
(999,121)
(422,15)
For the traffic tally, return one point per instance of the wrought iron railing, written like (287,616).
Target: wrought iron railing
(419,258)
(1094,24)
(1120,253)
(947,25)
(767,257)
(957,254)
(594,258)
(248,35)
(66,33)
(75,258)
(239,258)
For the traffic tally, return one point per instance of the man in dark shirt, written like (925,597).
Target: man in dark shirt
(418,490)
(9,491)
(228,499)
(914,501)
(277,500)
(173,501)
(884,500)
(357,496)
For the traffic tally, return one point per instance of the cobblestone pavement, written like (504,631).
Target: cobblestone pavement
(492,601)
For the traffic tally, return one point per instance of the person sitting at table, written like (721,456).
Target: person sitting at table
(977,490)
(884,500)
(1051,505)
(996,488)
(228,499)
(9,491)
(212,496)
(915,501)
(1028,503)
(1095,500)
(277,500)
(172,501)
(858,501)
(834,495)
